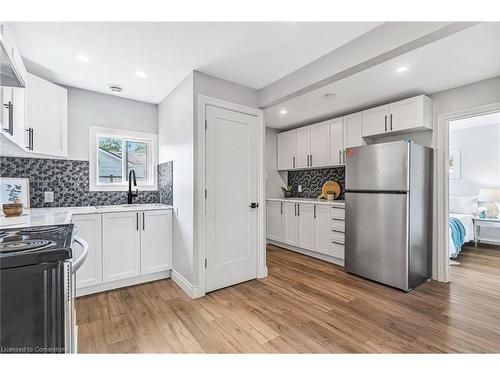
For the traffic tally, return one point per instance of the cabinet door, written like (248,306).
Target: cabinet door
(47,115)
(121,256)
(156,241)
(411,113)
(375,121)
(336,141)
(305,214)
(322,240)
(303,147)
(274,224)
(320,145)
(290,224)
(287,149)
(352,131)
(88,227)
(14,116)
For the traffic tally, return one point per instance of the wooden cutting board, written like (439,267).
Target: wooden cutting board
(330,186)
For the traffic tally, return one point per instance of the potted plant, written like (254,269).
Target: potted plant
(287,191)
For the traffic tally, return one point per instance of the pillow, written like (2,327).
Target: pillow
(463,205)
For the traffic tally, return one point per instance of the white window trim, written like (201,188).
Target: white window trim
(150,138)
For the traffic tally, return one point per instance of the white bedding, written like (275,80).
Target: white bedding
(466,221)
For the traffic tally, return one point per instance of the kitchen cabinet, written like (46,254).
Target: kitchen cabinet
(322,229)
(352,132)
(88,227)
(46,117)
(290,220)
(13,114)
(156,241)
(121,245)
(274,222)
(336,137)
(287,149)
(408,115)
(306,221)
(13,72)
(320,145)
(303,147)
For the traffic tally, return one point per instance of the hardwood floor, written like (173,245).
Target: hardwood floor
(304,306)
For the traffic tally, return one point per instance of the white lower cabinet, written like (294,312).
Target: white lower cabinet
(306,221)
(290,224)
(156,241)
(322,230)
(125,248)
(121,246)
(274,222)
(89,228)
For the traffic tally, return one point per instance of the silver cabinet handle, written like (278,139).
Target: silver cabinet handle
(298,209)
(391,121)
(281,208)
(385,120)
(143,221)
(137,221)
(340,157)
(337,242)
(344,156)
(295,209)
(10,108)
(311,160)
(293,161)
(315,211)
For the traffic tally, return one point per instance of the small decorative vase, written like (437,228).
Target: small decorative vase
(12,209)
(288,194)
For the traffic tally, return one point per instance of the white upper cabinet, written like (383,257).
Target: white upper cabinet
(287,149)
(303,147)
(13,100)
(46,117)
(336,141)
(404,116)
(320,145)
(352,131)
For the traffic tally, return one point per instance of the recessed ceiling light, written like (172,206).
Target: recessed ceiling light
(329,96)
(283,111)
(140,74)
(402,69)
(82,58)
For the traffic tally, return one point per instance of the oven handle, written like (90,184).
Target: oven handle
(78,263)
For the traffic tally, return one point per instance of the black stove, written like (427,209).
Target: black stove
(34,245)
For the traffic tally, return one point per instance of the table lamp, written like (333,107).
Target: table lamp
(490,196)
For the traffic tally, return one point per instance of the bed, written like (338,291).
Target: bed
(462,210)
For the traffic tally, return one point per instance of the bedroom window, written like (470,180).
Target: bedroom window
(114,153)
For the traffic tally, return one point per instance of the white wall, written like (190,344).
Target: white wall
(176,142)
(274,179)
(479,148)
(87,108)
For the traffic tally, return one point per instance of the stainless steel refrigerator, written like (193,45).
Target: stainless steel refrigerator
(388,235)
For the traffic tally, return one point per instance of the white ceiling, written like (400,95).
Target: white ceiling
(252,54)
(471,122)
(465,57)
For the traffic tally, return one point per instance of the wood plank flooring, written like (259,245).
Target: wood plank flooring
(304,306)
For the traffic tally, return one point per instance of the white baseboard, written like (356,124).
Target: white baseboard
(186,286)
(313,254)
(264,274)
(122,283)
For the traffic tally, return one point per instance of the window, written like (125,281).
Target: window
(115,153)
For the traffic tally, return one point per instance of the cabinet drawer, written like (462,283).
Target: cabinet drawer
(338,237)
(338,225)
(338,250)
(337,213)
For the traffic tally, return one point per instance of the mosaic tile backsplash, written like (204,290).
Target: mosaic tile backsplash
(165,182)
(69,180)
(312,181)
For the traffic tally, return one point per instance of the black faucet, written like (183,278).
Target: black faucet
(130,194)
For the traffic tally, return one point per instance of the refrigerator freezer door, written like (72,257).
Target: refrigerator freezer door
(378,167)
(376,239)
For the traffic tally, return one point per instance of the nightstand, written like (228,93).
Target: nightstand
(483,223)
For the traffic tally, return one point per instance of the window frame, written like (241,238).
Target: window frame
(150,139)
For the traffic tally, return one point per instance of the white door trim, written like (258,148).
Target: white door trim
(441,257)
(200,183)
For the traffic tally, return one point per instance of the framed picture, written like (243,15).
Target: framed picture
(454,165)
(13,188)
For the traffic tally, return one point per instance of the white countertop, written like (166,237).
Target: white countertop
(338,203)
(62,215)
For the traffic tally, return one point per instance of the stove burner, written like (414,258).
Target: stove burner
(38,230)
(3,233)
(24,246)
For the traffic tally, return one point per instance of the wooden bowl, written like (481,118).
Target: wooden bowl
(12,209)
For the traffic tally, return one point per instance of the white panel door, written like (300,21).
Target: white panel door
(274,224)
(47,115)
(156,241)
(407,114)
(287,150)
(336,141)
(375,121)
(303,147)
(121,253)
(88,227)
(322,240)
(305,214)
(290,222)
(320,145)
(232,185)
(352,131)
